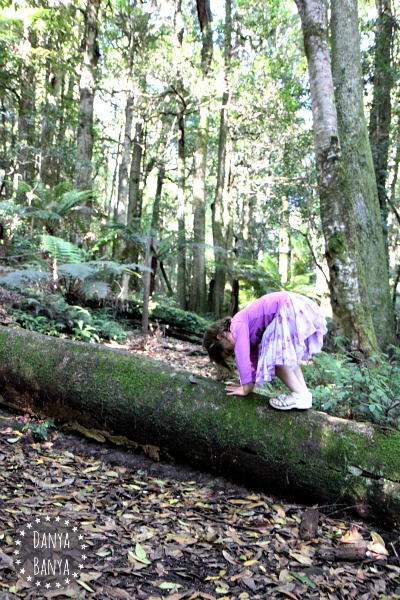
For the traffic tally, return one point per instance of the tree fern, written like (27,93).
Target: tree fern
(18,279)
(79,271)
(95,289)
(62,250)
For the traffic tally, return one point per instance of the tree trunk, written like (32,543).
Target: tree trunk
(27,110)
(353,134)
(302,456)
(49,171)
(135,200)
(120,213)
(181,270)
(180,159)
(198,298)
(352,316)
(284,243)
(87,87)
(219,211)
(381,109)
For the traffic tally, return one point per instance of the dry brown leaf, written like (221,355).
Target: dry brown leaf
(303,559)
(353,536)
(377,550)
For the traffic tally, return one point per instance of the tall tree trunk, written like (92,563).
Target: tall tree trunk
(27,109)
(155,217)
(121,208)
(135,196)
(181,271)
(347,283)
(221,192)
(87,87)
(356,149)
(51,115)
(181,267)
(64,169)
(198,301)
(284,243)
(381,109)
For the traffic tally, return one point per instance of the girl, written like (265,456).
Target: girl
(271,336)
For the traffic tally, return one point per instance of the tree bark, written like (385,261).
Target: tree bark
(135,197)
(352,316)
(27,109)
(284,243)
(198,297)
(220,214)
(381,109)
(302,456)
(87,87)
(121,209)
(354,142)
(181,157)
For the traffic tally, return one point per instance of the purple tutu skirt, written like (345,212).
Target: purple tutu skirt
(294,335)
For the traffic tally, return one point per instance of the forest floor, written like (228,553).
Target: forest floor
(141,529)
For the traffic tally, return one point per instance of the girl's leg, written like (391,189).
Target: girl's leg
(299,374)
(294,380)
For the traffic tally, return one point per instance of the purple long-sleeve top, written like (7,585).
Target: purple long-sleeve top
(247,328)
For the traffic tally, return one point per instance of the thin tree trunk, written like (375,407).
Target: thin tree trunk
(123,172)
(135,201)
(51,112)
(284,243)
(198,299)
(356,149)
(219,212)
(181,178)
(155,217)
(352,317)
(66,99)
(87,87)
(381,109)
(27,110)
(181,271)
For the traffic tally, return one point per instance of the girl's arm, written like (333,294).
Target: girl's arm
(245,364)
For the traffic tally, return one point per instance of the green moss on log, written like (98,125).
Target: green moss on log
(306,456)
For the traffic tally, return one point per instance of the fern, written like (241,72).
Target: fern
(71,199)
(62,250)
(79,271)
(95,289)
(18,279)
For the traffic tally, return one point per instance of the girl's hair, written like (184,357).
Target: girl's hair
(213,345)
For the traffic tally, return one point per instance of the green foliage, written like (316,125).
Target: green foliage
(262,277)
(51,315)
(368,390)
(166,311)
(18,279)
(40,431)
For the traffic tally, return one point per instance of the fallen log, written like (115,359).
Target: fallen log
(304,456)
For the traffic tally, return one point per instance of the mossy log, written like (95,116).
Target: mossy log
(303,456)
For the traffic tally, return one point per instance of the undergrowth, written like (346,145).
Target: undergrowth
(365,391)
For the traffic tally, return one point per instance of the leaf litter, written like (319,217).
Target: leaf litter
(157,531)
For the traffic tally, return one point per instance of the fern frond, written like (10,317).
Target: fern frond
(18,279)
(79,271)
(95,289)
(72,199)
(62,250)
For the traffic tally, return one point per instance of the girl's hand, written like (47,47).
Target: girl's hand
(239,390)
